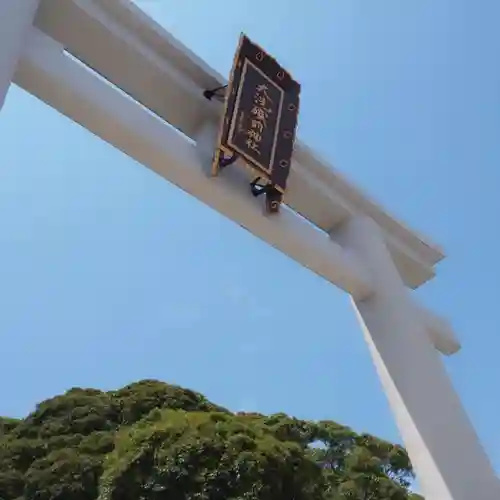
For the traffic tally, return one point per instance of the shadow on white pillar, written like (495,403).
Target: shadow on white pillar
(448,459)
(16,18)
(206,143)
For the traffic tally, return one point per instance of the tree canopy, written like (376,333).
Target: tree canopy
(155,441)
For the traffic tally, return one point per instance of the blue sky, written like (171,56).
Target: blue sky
(109,274)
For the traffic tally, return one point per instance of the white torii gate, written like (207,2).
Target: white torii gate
(355,244)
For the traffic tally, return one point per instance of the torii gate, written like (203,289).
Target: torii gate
(47,47)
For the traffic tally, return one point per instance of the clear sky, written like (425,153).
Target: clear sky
(109,274)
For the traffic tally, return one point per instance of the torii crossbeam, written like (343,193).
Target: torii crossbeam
(47,47)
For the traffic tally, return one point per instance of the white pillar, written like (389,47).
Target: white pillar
(449,461)
(16,17)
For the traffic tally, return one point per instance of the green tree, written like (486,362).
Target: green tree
(152,441)
(7,425)
(207,456)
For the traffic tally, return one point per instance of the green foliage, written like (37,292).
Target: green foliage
(207,456)
(7,425)
(153,441)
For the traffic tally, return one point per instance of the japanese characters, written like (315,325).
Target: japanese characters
(259,115)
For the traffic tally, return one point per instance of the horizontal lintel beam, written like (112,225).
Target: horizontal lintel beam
(125,46)
(66,85)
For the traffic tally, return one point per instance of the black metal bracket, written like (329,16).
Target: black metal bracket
(258,189)
(273,196)
(225,161)
(208,94)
